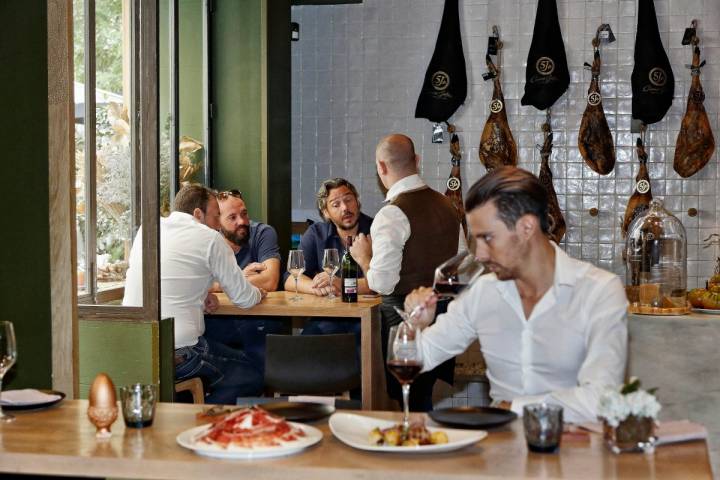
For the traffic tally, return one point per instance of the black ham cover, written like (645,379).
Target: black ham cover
(546,75)
(445,86)
(653,83)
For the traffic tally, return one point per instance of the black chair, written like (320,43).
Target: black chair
(311,364)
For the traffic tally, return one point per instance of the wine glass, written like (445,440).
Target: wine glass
(404,360)
(451,278)
(296,266)
(331,263)
(8,355)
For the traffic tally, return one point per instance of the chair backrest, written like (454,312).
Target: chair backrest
(311,364)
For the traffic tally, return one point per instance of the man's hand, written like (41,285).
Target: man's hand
(361,250)
(263,292)
(211,303)
(254,268)
(424,299)
(505,405)
(321,285)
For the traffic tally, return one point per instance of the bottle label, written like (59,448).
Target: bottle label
(350,285)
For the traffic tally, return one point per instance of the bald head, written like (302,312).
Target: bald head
(397,152)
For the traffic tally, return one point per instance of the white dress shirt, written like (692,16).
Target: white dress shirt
(389,232)
(192,256)
(573,345)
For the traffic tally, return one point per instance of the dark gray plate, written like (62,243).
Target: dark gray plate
(36,406)
(299,411)
(472,417)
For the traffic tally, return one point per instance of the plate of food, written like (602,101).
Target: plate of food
(473,417)
(376,435)
(249,433)
(30,399)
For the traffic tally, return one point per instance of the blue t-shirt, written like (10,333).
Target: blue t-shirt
(262,245)
(322,235)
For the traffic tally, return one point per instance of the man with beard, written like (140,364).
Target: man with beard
(256,251)
(337,203)
(552,329)
(413,233)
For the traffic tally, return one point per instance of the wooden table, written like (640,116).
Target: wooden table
(367,310)
(62,441)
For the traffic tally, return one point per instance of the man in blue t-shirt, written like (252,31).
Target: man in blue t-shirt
(337,203)
(256,250)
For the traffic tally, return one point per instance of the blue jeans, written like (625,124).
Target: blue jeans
(226,373)
(319,326)
(245,333)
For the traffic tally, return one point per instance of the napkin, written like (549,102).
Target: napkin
(667,432)
(313,399)
(27,396)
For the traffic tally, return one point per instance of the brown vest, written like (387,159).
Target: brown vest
(434,231)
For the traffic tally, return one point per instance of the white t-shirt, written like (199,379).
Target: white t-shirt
(573,345)
(192,256)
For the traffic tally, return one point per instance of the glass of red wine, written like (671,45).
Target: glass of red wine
(404,360)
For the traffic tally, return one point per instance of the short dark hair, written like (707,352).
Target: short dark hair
(515,192)
(192,196)
(324,192)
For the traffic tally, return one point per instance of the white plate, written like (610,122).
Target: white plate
(706,310)
(187,440)
(354,430)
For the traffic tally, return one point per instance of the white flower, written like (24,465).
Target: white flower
(615,407)
(642,404)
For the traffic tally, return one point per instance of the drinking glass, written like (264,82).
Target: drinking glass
(404,360)
(331,263)
(296,266)
(451,278)
(8,355)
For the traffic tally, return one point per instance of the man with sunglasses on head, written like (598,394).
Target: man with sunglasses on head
(339,205)
(193,255)
(256,250)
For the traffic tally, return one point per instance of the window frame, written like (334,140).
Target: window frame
(145,163)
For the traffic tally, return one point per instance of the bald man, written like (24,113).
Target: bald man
(416,230)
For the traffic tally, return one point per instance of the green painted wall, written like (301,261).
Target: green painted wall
(236,75)
(24,243)
(191,68)
(237,61)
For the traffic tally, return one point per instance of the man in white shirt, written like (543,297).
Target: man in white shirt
(413,233)
(192,255)
(551,328)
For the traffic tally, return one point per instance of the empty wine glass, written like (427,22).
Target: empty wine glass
(404,360)
(331,263)
(8,355)
(451,278)
(296,266)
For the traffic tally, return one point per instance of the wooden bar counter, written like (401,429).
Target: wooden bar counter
(366,310)
(61,441)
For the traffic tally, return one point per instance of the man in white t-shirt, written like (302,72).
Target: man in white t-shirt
(551,328)
(193,255)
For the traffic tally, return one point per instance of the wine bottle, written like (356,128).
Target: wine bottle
(349,275)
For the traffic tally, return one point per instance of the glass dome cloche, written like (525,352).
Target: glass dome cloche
(656,262)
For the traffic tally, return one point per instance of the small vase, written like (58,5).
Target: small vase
(634,434)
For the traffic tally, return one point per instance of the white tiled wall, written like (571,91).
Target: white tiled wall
(357,71)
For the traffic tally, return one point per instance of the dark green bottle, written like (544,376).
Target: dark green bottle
(349,275)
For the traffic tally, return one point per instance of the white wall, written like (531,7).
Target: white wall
(357,71)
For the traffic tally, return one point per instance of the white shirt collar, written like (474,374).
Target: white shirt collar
(411,182)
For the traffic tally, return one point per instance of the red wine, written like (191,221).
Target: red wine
(404,371)
(449,289)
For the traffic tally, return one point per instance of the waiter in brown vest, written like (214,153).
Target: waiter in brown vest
(414,232)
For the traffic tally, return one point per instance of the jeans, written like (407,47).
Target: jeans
(246,334)
(226,373)
(318,326)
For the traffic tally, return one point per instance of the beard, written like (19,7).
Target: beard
(239,236)
(381,186)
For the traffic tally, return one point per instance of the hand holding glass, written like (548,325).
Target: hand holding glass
(404,360)
(8,356)
(331,263)
(296,266)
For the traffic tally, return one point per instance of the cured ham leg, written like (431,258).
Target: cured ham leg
(454,182)
(555,217)
(595,140)
(642,194)
(497,145)
(695,142)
